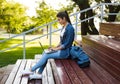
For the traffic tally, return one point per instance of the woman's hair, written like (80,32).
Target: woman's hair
(64,14)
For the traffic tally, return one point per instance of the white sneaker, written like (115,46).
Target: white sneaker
(26,72)
(35,76)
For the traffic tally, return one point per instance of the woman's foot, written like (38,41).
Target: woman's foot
(35,76)
(26,72)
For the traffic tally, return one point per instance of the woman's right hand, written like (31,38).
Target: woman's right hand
(49,47)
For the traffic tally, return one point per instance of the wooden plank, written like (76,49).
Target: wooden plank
(1,76)
(6,73)
(72,75)
(25,78)
(105,64)
(4,79)
(110,51)
(102,40)
(109,57)
(49,73)
(92,75)
(106,77)
(103,56)
(82,76)
(37,81)
(13,73)
(8,69)
(64,78)
(44,77)
(19,75)
(33,62)
(111,29)
(55,72)
(31,82)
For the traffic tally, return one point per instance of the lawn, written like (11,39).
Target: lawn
(11,56)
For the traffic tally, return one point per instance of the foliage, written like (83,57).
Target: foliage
(110,9)
(88,27)
(12,16)
(45,14)
(71,7)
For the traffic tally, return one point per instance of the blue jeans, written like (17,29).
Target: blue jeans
(42,62)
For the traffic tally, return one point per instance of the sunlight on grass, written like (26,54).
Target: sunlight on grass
(32,48)
(11,56)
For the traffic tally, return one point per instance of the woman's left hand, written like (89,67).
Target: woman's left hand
(54,49)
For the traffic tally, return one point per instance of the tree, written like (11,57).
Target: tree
(88,26)
(110,9)
(69,8)
(12,16)
(45,14)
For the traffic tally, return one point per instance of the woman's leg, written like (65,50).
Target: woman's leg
(42,62)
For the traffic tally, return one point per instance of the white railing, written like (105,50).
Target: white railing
(101,6)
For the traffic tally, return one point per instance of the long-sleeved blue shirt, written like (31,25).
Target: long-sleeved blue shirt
(67,39)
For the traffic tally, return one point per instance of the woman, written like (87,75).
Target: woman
(62,50)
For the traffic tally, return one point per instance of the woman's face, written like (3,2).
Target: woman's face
(61,21)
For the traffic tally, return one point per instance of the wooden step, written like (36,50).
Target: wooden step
(105,51)
(110,29)
(4,72)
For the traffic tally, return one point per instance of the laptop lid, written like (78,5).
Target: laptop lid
(46,50)
(41,45)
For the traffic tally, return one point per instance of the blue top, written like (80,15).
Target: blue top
(67,40)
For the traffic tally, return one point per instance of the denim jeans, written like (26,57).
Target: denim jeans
(42,62)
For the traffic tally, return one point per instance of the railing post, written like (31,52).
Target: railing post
(76,26)
(24,49)
(102,12)
(50,41)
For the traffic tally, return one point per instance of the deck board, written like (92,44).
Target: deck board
(82,76)
(62,73)
(69,70)
(25,79)
(18,75)
(13,73)
(50,73)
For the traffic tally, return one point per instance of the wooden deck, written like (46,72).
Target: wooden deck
(105,51)
(61,72)
(104,68)
(15,76)
(104,55)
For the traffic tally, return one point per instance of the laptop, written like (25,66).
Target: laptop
(48,51)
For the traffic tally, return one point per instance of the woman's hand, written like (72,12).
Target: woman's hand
(55,48)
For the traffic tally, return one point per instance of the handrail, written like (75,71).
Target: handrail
(50,24)
(28,31)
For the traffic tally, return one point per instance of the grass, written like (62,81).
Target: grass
(11,56)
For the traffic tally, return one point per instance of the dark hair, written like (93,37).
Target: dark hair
(64,14)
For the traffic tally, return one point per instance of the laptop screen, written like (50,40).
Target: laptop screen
(41,45)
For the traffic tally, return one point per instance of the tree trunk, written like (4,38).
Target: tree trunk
(112,9)
(87,27)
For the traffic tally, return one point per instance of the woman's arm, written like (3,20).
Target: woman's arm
(57,48)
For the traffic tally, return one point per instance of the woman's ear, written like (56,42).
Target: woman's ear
(64,18)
